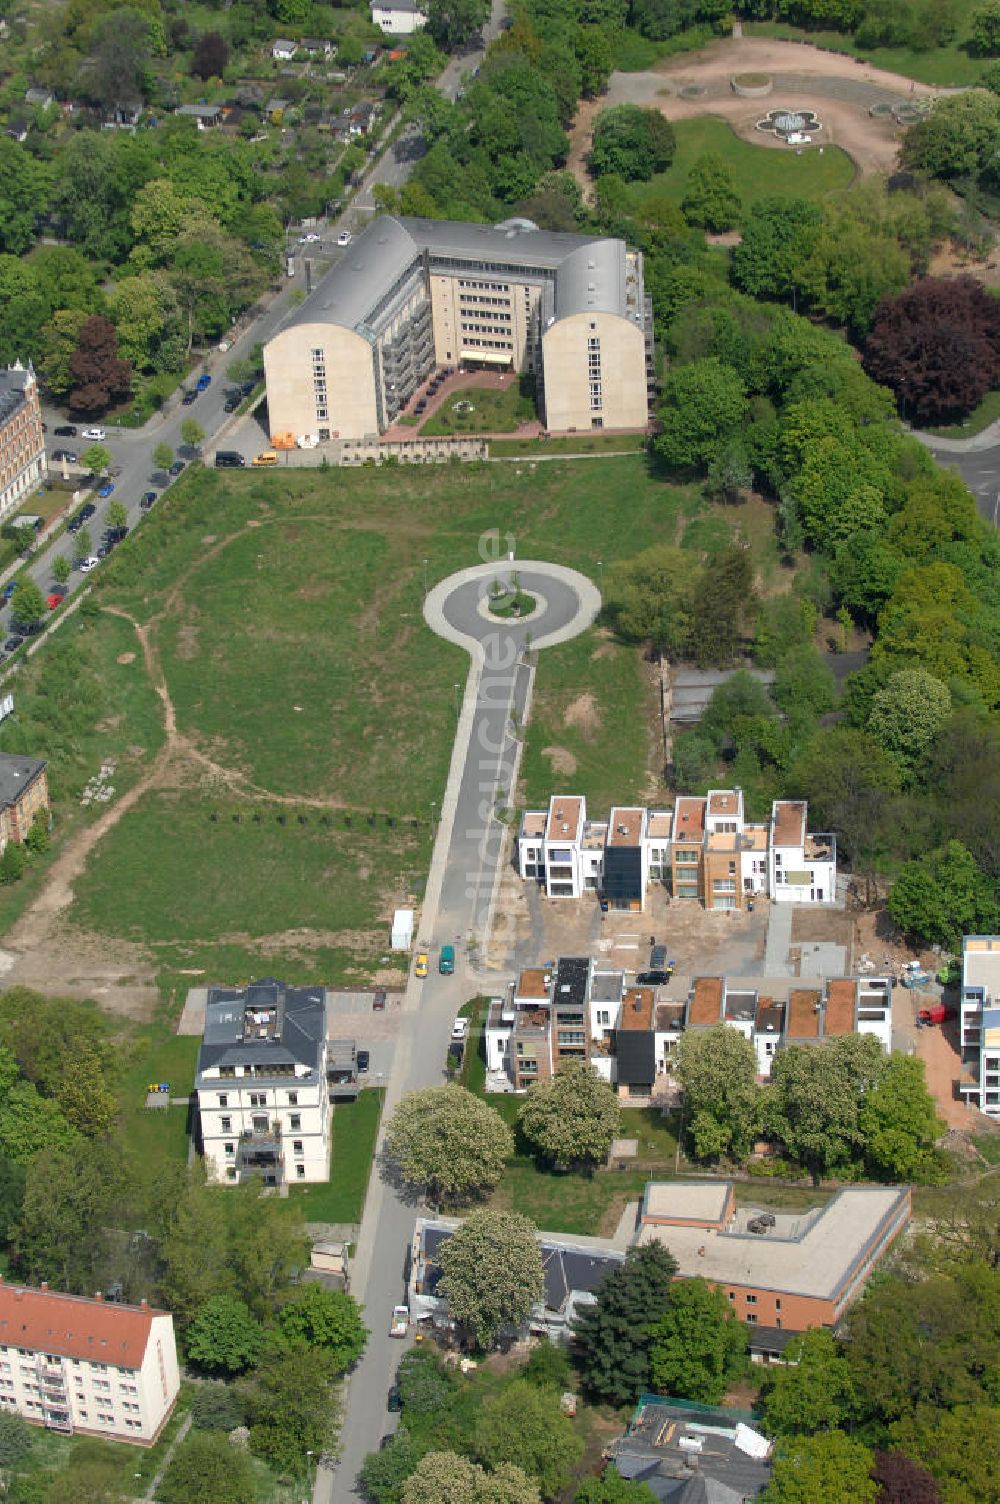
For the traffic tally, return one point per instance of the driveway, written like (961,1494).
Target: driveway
(457,909)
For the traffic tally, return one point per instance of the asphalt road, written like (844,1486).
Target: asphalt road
(465,862)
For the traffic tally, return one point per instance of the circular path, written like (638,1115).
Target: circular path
(569,601)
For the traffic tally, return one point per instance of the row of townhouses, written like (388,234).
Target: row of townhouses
(577,1010)
(704,849)
(72,1364)
(782,1272)
(979,1080)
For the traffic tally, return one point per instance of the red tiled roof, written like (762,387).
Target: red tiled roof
(71,1326)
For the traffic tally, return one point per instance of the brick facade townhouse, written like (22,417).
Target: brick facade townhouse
(24,790)
(72,1364)
(704,849)
(22,443)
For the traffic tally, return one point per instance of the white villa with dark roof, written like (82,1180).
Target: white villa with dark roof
(705,848)
(263,1096)
(411,295)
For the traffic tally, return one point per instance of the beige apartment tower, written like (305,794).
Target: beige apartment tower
(414,294)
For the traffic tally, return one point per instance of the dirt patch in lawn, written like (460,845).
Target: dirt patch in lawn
(563,762)
(124,658)
(583,715)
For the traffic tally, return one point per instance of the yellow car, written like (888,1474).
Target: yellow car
(422,966)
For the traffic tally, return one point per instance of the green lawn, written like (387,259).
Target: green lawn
(948,66)
(492,411)
(342,1199)
(585,443)
(157,1054)
(987,412)
(758,171)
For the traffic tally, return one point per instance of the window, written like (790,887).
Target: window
(751,1300)
(777,1322)
(603,1017)
(751,1319)
(260,1125)
(777,1307)
(230,1150)
(230,1174)
(300,1172)
(297,1146)
(258,1099)
(223,1099)
(295,1121)
(227,1125)
(293,1099)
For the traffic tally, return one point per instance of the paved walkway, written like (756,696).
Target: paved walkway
(457,909)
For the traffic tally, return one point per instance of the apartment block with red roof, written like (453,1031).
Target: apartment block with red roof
(74,1364)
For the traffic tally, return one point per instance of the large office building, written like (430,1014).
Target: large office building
(72,1364)
(411,295)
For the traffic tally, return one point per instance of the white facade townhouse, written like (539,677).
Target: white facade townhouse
(72,1364)
(979,1081)
(399,18)
(263,1095)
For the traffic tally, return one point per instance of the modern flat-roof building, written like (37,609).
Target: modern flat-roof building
(979,1081)
(413,294)
(22,443)
(705,848)
(786,1271)
(72,1364)
(263,1095)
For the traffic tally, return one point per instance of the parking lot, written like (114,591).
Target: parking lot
(350,1015)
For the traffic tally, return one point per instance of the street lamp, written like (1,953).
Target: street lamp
(457,710)
(426,562)
(309,1475)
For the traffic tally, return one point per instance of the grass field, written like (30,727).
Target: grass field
(948,66)
(758,171)
(493,411)
(342,1198)
(987,412)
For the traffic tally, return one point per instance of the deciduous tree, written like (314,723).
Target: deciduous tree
(329,1319)
(723,1106)
(813,1391)
(446,1139)
(211,55)
(206,1469)
(27,604)
(98,373)
(828,1466)
(225,1337)
(698,1344)
(710,198)
(941,896)
(902,1481)
(704,402)
(290,1402)
(648,598)
(612,1488)
(632,143)
(815,1097)
(571,1118)
(491,1273)
(451,23)
(448,1478)
(25,190)
(937,345)
(612,1336)
(526,1423)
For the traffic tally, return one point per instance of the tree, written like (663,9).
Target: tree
(117,515)
(446,1139)
(525,1423)
(290,1403)
(206,1469)
(25,191)
(12,863)
(776,235)
(710,198)
(16,1440)
(61,569)
(717,1069)
(649,597)
(632,143)
(82,544)
(210,55)
(114,75)
(902,1481)
(384,1472)
(448,1478)
(611,1488)
(224,1336)
(611,1338)
(27,604)
(828,1467)
(704,402)
(328,1319)
(163,456)
(194,1253)
(849,781)
(98,374)
(451,23)
(217,1407)
(698,1345)
(941,896)
(815,1097)
(899,1124)
(192,433)
(715,632)
(491,1273)
(813,1391)
(571,1118)
(549,1366)
(730,472)
(937,346)
(907,715)
(804,682)
(97,459)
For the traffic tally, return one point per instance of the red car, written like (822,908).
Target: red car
(54,600)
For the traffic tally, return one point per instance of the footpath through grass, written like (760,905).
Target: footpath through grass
(758,171)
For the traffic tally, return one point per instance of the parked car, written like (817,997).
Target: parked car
(653,978)
(115,535)
(12,644)
(232,402)
(460,1029)
(86,565)
(394,1401)
(105,491)
(446,961)
(54,599)
(422,967)
(95,435)
(204,382)
(65,431)
(658,958)
(176,467)
(400,1323)
(86,511)
(104,550)
(378,1001)
(344,238)
(8,590)
(148,497)
(364,1060)
(64,454)
(310,239)
(246,387)
(191,395)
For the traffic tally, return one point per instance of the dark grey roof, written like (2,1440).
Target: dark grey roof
(567,1268)
(572,979)
(769,1339)
(636,1051)
(651,1452)
(296,1039)
(16,775)
(593,268)
(12,391)
(413,7)
(607,987)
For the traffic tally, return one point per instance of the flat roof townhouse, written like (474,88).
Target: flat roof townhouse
(24,792)
(979,1080)
(579,1008)
(705,849)
(72,1364)
(263,1094)
(410,295)
(786,1271)
(23,465)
